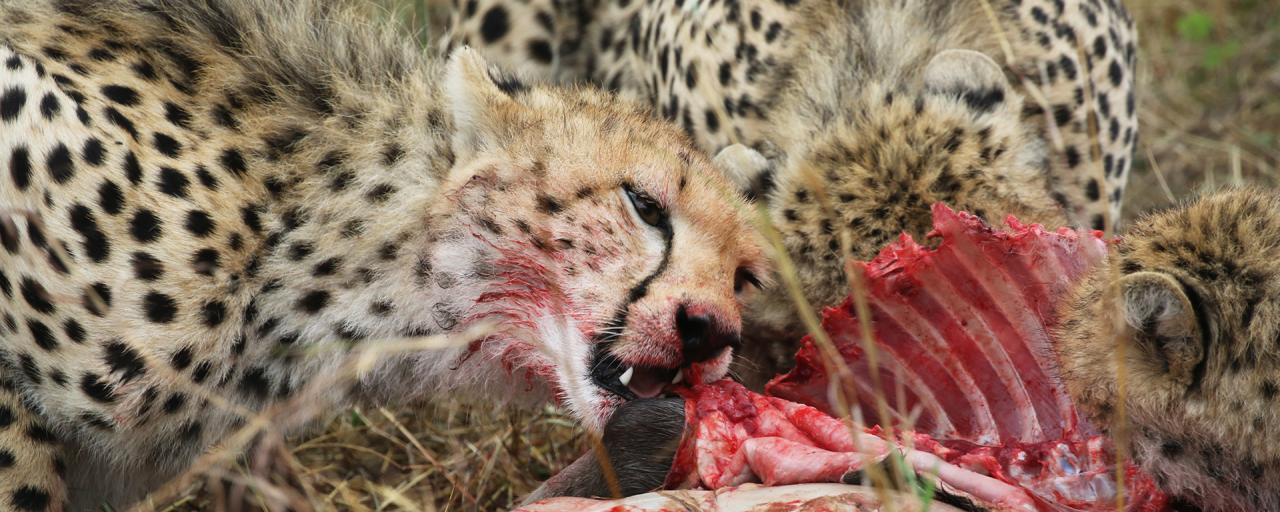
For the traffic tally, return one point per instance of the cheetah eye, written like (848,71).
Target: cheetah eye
(646,208)
(743,278)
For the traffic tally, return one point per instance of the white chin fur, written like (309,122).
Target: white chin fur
(570,352)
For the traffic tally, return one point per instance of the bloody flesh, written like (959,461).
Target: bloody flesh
(962,337)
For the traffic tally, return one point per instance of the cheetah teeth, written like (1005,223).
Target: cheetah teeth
(625,378)
(678,378)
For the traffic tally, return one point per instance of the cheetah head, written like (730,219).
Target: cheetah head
(1192,307)
(616,256)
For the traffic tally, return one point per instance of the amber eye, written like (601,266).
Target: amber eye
(743,278)
(646,208)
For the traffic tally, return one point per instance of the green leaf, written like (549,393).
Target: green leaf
(1195,26)
(1216,55)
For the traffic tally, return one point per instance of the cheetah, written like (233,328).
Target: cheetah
(1192,307)
(210,208)
(849,119)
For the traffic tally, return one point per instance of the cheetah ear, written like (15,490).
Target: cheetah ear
(1161,320)
(749,170)
(481,100)
(970,76)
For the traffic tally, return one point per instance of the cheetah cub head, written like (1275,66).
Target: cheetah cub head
(609,251)
(1192,308)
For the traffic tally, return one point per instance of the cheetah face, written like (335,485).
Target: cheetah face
(622,255)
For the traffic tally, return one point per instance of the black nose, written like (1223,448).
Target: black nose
(701,336)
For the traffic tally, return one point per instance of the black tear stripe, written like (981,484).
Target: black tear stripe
(611,330)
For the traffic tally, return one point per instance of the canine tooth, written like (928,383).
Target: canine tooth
(678,378)
(625,378)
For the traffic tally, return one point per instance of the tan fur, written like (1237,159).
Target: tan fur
(249,188)
(1194,302)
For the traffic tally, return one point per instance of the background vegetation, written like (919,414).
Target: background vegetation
(1209,103)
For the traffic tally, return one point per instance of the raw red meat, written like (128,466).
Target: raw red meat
(962,340)
(961,335)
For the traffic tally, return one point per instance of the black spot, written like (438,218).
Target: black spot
(42,335)
(205,261)
(177,115)
(713,122)
(381,308)
(313,301)
(341,181)
(1092,190)
(93,152)
(61,169)
(174,403)
(540,50)
(145,226)
(49,106)
(36,296)
(171,181)
(146,267)
(6,457)
(495,24)
(96,244)
(1269,390)
(1115,73)
(181,359)
(30,368)
(125,360)
(223,116)
(120,120)
(1171,449)
(387,251)
(214,313)
(284,143)
(549,205)
(254,382)
(159,308)
(300,250)
(327,267)
(206,178)
(166,145)
(13,63)
(74,331)
(251,219)
(11,103)
(40,434)
(20,167)
(380,193)
(132,169)
(199,223)
(99,391)
(30,498)
(121,94)
(97,298)
(1061,114)
(983,100)
(233,162)
(110,198)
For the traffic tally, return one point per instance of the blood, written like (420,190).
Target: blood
(964,330)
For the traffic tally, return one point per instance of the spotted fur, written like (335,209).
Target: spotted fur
(862,113)
(1193,303)
(206,205)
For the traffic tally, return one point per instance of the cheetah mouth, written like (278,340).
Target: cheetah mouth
(631,382)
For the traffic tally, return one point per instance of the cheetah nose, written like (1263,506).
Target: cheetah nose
(701,337)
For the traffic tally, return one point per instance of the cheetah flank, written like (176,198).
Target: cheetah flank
(212,202)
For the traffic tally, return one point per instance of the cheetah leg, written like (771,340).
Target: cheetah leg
(31,466)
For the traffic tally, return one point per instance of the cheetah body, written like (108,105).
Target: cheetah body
(208,205)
